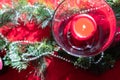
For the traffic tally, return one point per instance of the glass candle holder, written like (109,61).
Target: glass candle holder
(84,28)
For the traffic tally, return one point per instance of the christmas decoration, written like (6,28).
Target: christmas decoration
(84,28)
(1,64)
(20,51)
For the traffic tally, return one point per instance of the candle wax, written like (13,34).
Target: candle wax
(83,26)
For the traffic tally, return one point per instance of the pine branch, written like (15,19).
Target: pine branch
(23,11)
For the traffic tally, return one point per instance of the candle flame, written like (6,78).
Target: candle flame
(83,27)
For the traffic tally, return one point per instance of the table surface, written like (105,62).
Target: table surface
(61,70)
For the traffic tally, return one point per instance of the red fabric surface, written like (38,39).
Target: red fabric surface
(60,70)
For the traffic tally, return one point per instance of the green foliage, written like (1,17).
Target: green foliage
(22,11)
(40,48)
(2,44)
(13,58)
(15,51)
(22,2)
(115,4)
(83,62)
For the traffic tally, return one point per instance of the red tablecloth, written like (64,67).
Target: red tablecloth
(61,70)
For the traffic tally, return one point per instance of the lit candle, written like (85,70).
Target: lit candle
(83,26)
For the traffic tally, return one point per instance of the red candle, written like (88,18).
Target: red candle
(83,26)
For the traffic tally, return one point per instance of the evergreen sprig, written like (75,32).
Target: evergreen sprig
(115,4)
(25,12)
(15,51)
(13,58)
